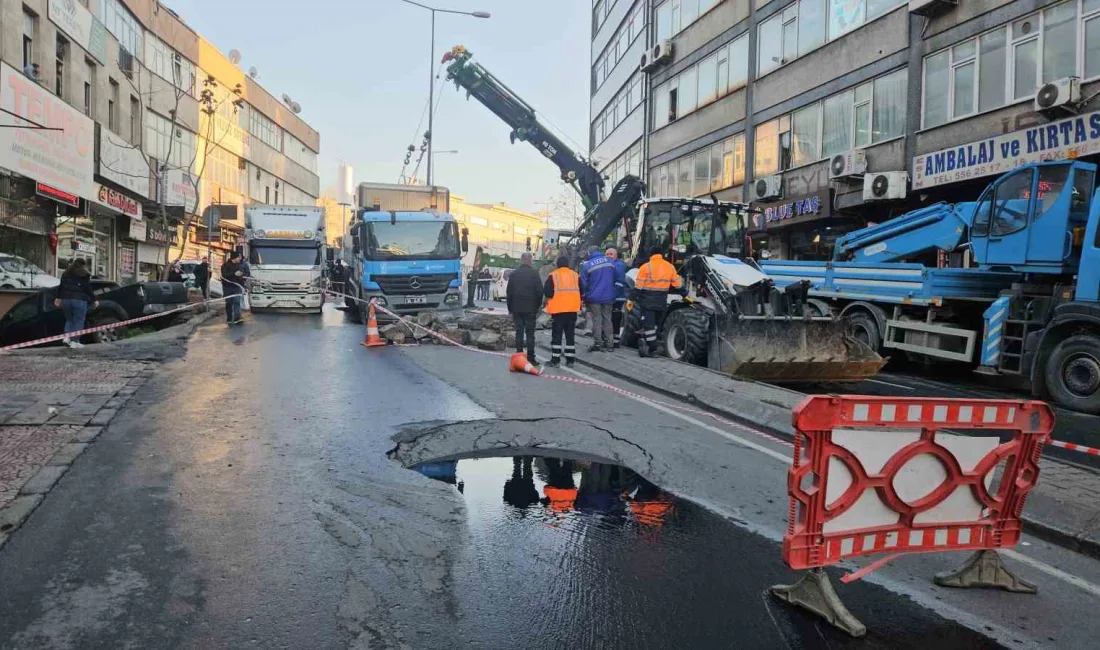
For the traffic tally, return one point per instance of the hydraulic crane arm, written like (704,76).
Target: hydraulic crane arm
(940,226)
(516,113)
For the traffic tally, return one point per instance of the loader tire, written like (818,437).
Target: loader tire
(628,338)
(864,328)
(1072,373)
(686,336)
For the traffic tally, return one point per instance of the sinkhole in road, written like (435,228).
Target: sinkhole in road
(577,551)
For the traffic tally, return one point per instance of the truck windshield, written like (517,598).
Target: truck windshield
(430,240)
(296,256)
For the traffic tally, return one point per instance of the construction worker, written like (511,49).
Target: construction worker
(651,287)
(598,277)
(563,301)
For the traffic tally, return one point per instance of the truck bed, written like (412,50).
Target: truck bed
(900,283)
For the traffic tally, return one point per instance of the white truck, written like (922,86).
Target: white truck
(284,248)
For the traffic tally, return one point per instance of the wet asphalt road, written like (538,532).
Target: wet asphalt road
(245,499)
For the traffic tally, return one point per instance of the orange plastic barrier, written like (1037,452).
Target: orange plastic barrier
(871,443)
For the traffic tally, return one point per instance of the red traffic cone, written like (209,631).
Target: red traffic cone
(519,363)
(373,339)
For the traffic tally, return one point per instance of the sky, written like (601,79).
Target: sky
(360,70)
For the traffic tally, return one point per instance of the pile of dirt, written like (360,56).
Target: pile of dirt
(488,330)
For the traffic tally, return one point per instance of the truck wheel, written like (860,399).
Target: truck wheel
(863,328)
(686,335)
(1073,373)
(631,323)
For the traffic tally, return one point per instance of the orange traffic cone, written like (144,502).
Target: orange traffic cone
(520,363)
(373,339)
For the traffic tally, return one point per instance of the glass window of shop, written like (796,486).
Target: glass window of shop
(90,239)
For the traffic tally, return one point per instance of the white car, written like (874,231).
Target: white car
(498,289)
(18,273)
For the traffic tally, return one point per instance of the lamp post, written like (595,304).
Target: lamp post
(431,172)
(431,68)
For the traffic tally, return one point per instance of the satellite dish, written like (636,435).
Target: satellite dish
(253,72)
(296,107)
(286,99)
(234,56)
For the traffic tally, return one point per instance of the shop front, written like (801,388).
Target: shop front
(799,228)
(126,213)
(153,253)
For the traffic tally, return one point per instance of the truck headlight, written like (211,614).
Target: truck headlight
(452,298)
(257,287)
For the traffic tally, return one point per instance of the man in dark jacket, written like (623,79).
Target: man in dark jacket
(524,299)
(598,290)
(73,296)
(620,293)
(202,277)
(233,279)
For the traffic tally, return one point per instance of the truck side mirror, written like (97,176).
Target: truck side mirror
(466,240)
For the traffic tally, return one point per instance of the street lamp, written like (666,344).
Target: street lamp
(437,153)
(431,68)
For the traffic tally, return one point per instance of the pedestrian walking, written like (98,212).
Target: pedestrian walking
(175,274)
(233,283)
(563,301)
(74,294)
(651,287)
(620,295)
(202,278)
(598,290)
(524,297)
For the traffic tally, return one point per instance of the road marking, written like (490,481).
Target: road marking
(879,381)
(702,425)
(1038,565)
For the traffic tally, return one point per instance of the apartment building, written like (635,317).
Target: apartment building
(123,122)
(830,114)
(497,227)
(617,107)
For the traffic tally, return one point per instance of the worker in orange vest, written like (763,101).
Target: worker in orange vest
(563,301)
(651,287)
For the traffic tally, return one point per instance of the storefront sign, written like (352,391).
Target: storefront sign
(162,236)
(794,210)
(81,246)
(122,163)
(138,230)
(119,202)
(177,187)
(60,196)
(1069,138)
(80,25)
(127,260)
(63,159)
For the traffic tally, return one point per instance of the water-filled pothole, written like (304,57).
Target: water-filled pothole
(568,552)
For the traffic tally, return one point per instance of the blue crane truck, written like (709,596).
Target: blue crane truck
(404,250)
(1028,308)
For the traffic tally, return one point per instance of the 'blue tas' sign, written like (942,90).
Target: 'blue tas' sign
(1069,138)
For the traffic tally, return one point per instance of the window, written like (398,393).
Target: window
(631,28)
(769,51)
(963,88)
(1091,36)
(263,128)
(806,25)
(89,85)
(708,79)
(805,135)
(168,64)
(845,15)
(719,73)
(1059,41)
(685,176)
(739,62)
(936,93)
(118,20)
(811,25)
(174,146)
(836,124)
(716,161)
(297,151)
(688,91)
(766,149)
(861,118)
(992,62)
(62,57)
(30,30)
(1011,206)
(739,159)
(135,120)
(888,106)
(675,15)
(112,107)
(224,168)
(702,171)
(620,106)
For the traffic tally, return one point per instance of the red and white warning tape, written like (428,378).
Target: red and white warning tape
(1091,451)
(101,328)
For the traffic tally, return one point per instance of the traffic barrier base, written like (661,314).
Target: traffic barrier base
(519,363)
(814,591)
(984,569)
(372,339)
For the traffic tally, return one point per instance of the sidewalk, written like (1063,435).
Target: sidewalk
(51,408)
(1063,509)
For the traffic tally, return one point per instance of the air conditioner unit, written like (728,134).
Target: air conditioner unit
(884,186)
(768,188)
(849,163)
(125,62)
(1059,95)
(657,55)
(931,7)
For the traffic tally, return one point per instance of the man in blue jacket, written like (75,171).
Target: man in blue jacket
(598,290)
(620,293)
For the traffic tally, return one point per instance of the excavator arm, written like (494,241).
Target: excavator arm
(601,216)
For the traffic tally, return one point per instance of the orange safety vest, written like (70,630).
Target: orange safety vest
(561,499)
(657,275)
(651,513)
(567,292)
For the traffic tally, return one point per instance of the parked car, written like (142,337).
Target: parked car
(19,273)
(498,290)
(35,316)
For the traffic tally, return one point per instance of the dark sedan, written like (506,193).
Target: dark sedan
(35,316)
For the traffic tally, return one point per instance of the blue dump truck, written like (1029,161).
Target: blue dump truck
(1028,306)
(404,250)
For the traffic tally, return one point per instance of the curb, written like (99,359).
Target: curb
(1038,529)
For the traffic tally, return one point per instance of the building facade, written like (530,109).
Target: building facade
(827,115)
(497,228)
(617,107)
(123,125)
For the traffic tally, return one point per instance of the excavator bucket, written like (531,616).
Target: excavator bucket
(791,351)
